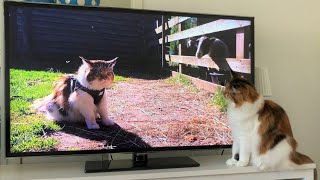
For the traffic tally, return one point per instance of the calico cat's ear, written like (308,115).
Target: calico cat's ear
(112,63)
(235,75)
(85,61)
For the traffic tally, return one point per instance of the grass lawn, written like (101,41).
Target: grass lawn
(217,99)
(184,81)
(30,132)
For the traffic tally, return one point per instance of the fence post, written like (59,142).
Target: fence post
(179,49)
(163,42)
(240,44)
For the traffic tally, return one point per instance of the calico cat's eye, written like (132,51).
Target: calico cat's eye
(104,76)
(236,86)
(97,74)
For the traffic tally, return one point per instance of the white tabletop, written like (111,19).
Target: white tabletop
(209,165)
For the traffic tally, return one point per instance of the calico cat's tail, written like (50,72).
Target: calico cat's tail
(300,159)
(47,107)
(40,105)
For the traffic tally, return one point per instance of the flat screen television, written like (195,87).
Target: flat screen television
(83,80)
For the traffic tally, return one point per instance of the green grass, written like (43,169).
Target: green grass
(30,131)
(26,86)
(173,47)
(118,78)
(32,135)
(218,100)
(184,81)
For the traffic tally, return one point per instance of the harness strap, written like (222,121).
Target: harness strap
(74,85)
(95,94)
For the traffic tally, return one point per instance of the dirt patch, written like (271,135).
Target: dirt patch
(151,113)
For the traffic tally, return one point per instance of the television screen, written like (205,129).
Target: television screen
(89,80)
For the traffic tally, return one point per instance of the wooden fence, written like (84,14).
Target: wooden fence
(43,38)
(238,63)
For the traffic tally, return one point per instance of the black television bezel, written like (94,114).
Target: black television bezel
(8,4)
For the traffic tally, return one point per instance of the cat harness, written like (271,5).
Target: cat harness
(75,85)
(95,94)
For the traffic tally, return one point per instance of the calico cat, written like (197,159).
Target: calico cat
(260,129)
(81,96)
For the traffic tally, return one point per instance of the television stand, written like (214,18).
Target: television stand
(212,167)
(139,161)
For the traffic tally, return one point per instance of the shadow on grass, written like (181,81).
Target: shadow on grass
(114,137)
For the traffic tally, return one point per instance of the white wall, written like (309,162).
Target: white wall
(287,41)
(116,3)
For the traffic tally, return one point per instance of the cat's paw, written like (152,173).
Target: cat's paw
(262,166)
(108,122)
(241,164)
(231,162)
(93,126)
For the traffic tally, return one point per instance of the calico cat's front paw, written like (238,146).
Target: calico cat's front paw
(241,164)
(93,126)
(108,122)
(231,162)
(262,166)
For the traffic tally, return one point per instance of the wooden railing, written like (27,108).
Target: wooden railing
(238,63)
(211,27)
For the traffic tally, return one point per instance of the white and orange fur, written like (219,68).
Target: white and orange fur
(79,105)
(260,128)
